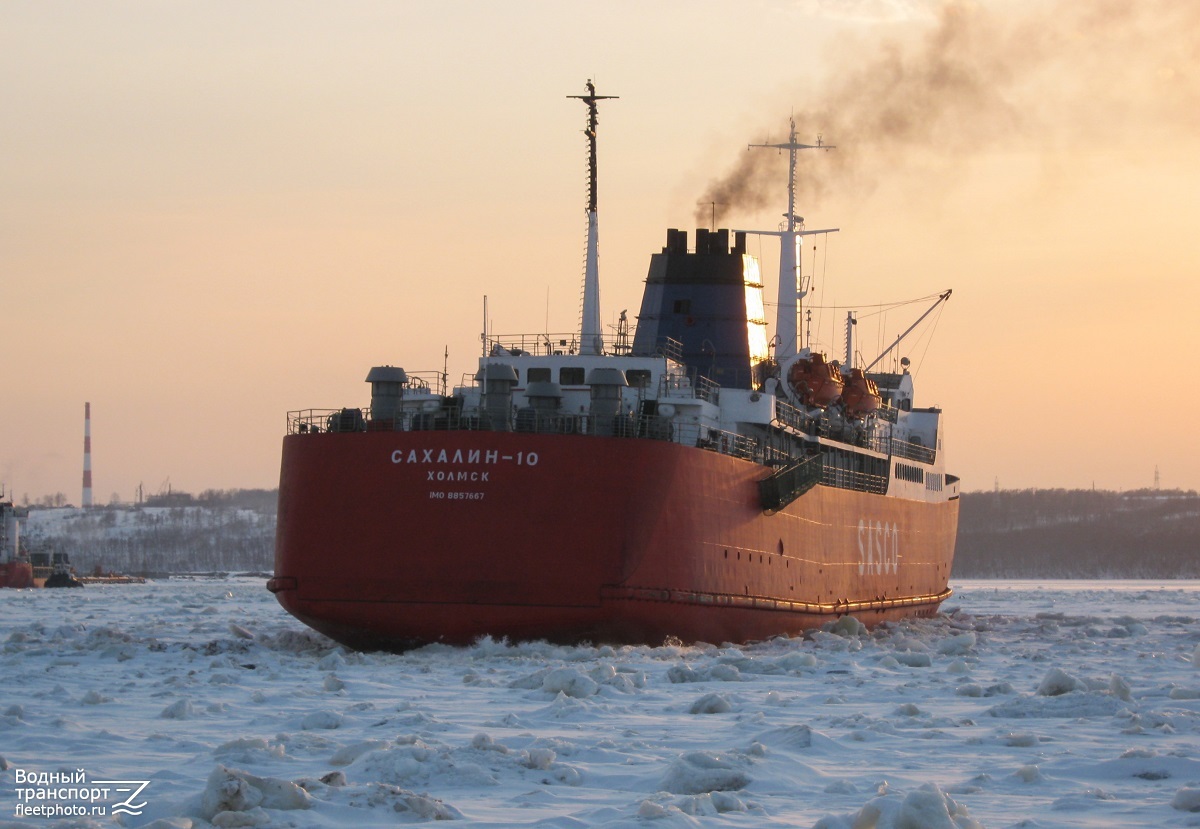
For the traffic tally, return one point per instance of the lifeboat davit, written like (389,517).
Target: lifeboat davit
(860,396)
(816,382)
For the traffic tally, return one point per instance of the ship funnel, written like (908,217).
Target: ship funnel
(498,381)
(387,389)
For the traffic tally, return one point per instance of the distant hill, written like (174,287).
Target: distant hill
(1030,533)
(1073,533)
(227,532)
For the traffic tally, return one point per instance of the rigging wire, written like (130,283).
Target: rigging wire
(820,308)
(879,329)
(929,339)
(881,309)
(824,270)
(825,256)
(882,306)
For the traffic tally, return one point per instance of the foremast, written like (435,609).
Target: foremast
(791,291)
(590,336)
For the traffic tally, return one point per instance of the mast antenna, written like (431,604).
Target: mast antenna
(591,340)
(790,290)
(484,336)
(712,225)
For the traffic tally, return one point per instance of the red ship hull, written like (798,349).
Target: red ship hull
(17,574)
(395,539)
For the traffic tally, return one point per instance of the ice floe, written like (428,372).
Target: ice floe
(1033,705)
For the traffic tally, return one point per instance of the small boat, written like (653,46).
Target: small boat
(815,382)
(860,394)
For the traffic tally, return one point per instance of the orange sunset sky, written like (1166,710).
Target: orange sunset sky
(215,212)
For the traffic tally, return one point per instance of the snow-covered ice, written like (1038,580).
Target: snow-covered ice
(1061,704)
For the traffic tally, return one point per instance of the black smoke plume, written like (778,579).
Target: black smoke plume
(1059,78)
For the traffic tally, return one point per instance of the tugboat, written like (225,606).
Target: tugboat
(61,574)
(682,482)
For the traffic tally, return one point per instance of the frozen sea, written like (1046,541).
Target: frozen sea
(1047,704)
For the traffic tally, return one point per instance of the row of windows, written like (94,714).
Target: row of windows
(908,472)
(577,376)
(567,376)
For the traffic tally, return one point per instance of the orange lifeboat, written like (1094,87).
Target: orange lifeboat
(860,395)
(815,381)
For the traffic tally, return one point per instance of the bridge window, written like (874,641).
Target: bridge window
(538,375)
(571,376)
(638,378)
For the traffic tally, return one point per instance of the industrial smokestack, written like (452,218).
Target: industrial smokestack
(87,455)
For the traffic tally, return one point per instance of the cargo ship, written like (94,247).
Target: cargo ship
(689,480)
(20,568)
(16,569)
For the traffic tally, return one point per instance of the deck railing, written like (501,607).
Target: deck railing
(855,479)
(650,427)
(540,345)
(789,483)
(910,451)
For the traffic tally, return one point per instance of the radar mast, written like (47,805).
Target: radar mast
(790,290)
(591,340)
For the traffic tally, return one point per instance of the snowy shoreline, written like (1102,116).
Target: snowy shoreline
(1024,704)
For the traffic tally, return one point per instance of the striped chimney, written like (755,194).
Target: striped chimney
(87,455)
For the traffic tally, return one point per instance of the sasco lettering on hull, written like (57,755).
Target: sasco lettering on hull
(878,548)
(459,457)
